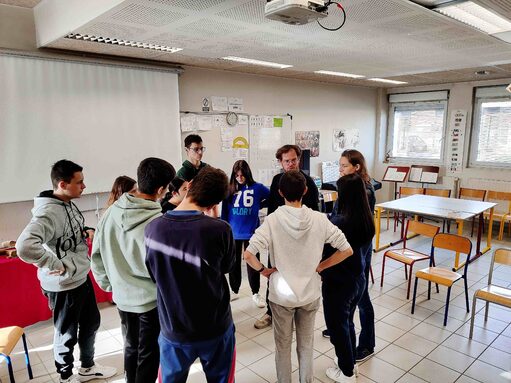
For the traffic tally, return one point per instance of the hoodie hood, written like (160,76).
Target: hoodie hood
(129,212)
(295,221)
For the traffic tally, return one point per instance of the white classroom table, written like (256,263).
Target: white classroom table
(440,207)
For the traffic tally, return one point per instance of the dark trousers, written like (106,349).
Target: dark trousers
(141,352)
(76,320)
(340,298)
(235,274)
(268,308)
(366,339)
(217,356)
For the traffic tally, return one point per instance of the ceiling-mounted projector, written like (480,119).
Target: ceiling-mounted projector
(295,12)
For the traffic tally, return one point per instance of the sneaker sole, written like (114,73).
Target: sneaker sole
(365,358)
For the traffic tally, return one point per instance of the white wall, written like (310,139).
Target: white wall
(313,105)
(460,97)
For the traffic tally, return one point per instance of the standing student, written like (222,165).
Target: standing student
(296,234)
(118,264)
(188,254)
(289,158)
(194,152)
(344,283)
(352,161)
(179,188)
(241,210)
(54,241)
(122,184)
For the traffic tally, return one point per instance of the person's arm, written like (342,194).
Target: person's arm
(273,197)
(29,245)
(264,194)
(336,238)
(311,198)
(259,242)
(97,265)
(229,258)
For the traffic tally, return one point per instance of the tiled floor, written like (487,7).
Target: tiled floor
(410,348)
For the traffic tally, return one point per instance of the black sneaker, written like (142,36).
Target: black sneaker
(326,333)
(364,355)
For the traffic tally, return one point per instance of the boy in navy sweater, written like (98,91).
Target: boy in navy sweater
(188,254)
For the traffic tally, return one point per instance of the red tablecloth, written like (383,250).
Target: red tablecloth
(21,302)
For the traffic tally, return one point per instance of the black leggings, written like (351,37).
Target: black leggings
(235,274)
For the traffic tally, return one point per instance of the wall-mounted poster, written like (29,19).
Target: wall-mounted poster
(345,139)
(308,140)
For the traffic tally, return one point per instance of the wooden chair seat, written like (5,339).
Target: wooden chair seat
(9,337)
(495,294)
(407,256)
(439,275)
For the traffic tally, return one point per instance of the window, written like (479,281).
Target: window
(491,128)
(417,126)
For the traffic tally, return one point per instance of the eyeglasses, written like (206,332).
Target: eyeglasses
(293,161)
(197,150)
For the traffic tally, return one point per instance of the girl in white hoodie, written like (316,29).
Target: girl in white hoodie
(295,236)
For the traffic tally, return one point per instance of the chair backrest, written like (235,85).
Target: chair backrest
(494,196)
(475,194)
(422,228)
(406,191)
(455,243)
(438,192)
(501,256)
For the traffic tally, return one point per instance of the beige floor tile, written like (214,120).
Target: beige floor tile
(434,372)
(502,343)
(409,378)
(480,335)
(265,368)
(466,379)
(496,358)
(464,345)
(430,332)
(491,324)
(388,332)
(437,319)
(248,352)
(401,321)
(486,373)
(451,359)
(416,344)
(399,357)
(380,371)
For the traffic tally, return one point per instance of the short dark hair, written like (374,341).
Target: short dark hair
(209,187)
(292,185)
(192,138)
(176,184)
(63,170)
(287,148)
(153,173)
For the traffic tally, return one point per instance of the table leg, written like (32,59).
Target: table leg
(460,232)
(377,229)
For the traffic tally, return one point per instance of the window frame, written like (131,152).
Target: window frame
(474,133)
(390,131)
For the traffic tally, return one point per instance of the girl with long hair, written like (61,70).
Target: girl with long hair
(344,284)
(241,210)
(179,188)
(122,184)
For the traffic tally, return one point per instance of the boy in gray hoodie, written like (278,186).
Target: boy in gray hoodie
(54,241)
(118,264)
(295,235)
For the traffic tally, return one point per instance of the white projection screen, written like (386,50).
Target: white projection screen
(106,118)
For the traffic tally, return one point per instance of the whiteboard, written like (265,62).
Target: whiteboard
(105,118)
(264,139)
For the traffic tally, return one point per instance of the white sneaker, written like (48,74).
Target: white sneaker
(234,296)
(71,379)
(336,375)
(95,372)
(259,300)
(355,367)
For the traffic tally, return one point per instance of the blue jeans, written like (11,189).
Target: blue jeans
(340,299)
(217,355)
(366,339)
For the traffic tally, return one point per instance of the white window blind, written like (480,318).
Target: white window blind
(491,133)
(416,129)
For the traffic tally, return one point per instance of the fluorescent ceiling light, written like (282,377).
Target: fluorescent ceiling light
(387,81)
(256,62)
(476,16)
(129,43)
(340,74)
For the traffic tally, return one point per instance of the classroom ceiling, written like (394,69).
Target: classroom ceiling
(391,39)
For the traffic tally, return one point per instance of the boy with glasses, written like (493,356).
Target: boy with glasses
(194,152)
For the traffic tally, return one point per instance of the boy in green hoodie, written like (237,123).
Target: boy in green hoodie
(118,264)
(54,241)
